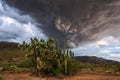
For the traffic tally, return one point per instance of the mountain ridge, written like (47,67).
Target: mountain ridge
(8,45)
(92,59)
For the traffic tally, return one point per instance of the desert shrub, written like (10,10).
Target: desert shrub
(25,63)
(14,68)
(117,69)
(7,65)
(18,69)
(73,66)
(47,58)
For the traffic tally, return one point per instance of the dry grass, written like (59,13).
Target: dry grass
(7,54)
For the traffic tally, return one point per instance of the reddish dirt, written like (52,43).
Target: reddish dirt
(83,75)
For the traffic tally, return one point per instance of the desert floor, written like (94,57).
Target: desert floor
(83,75)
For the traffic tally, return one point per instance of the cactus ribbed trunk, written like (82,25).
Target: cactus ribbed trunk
(65,58)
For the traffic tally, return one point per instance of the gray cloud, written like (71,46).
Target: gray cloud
(97,22)
(108,48)
(16,27)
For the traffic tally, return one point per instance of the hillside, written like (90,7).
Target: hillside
(10,50)
(8,45)
(95,63)
(94,59)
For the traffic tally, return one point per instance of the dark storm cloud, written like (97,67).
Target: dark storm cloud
(75,21)
(91,25)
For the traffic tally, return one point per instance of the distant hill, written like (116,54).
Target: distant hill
(8,45)
(10,50)
(94,59)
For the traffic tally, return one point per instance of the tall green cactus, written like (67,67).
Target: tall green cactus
(71,54)
(65,58)
(47,56)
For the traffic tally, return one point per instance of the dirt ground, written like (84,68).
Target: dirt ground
(83,75)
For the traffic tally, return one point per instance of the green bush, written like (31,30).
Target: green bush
(73,66)
(117,68)
(47,58)
(7,65)
(25,63)
(17,69)
(14,68)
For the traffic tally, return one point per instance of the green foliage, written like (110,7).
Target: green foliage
(7,66)
(117,69)
(73,66)
(25,63)
(14,68)
(18,69)
(47,58)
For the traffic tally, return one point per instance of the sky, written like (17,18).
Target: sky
(15,27)
(108,48)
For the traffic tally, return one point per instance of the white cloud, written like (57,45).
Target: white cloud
(102,42)
(108,48)
(114,56)
(16,27)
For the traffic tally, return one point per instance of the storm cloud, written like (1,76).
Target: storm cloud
(74,21)
(90,27)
